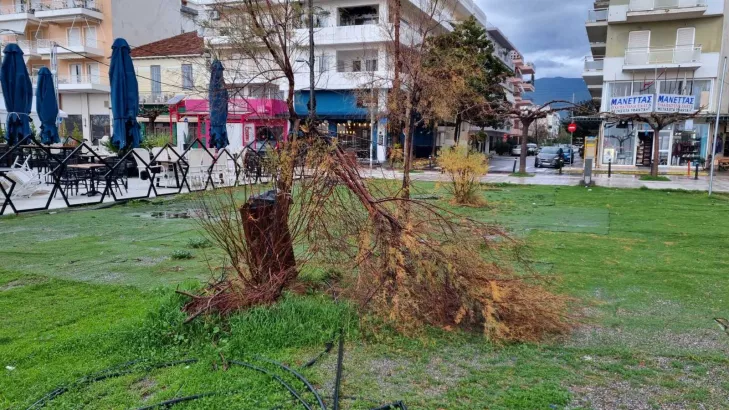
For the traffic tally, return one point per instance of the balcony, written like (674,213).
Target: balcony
(81,83)
(30,48)
(72,49)
(16,17)
(659,10)
(598,48)
(596,25)
(688,57)
(522,102)
(59,11)
(155,98)
(593,71)
(528,68)
(527,87)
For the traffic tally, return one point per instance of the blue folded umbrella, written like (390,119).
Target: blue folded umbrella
(17,92)
(46,106)
(218,96)
(124,97)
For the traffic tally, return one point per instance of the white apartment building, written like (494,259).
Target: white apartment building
(649,47)
(350,47)
(84,31)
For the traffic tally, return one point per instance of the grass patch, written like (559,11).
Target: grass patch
(521,175)
(659,178)
(95,289)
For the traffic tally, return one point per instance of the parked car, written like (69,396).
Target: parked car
(568,155)
(516,150)
(532,149)
(549,157)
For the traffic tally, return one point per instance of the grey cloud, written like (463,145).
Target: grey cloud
(549,32)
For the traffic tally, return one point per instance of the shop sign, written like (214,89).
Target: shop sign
(670,103)
(636,104)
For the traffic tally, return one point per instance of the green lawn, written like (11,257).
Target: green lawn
(81,291)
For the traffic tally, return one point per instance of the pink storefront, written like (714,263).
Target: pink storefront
(247,118)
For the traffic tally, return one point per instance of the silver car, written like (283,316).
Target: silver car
(549,157)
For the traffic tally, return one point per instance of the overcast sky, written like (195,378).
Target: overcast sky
(549,33)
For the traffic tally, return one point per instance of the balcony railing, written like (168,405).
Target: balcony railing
(14,9)
(594,63)
(650,5)
(664,55)
(155,98)
(44,5)
(95,79)
(593,16)
(75,44)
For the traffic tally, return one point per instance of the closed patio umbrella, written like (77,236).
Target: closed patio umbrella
(46,106)
(218,96)
(124,97)
(17,92)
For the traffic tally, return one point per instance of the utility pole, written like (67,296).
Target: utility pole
(54,72)
(312,96)
(716,128)
(373,136)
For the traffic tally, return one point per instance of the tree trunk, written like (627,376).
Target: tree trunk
(408,151)
(435,140)
(524,137)
(457,131)
(267,235)
(656,153)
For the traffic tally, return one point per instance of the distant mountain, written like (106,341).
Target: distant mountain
(558,88)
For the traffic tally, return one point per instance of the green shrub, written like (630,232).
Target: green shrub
(199,243)
(155,140)
(181,254)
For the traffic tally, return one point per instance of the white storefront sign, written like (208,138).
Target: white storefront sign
(636,104)
(669,103)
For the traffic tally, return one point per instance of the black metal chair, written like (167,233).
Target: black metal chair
(71,178)
(118,170)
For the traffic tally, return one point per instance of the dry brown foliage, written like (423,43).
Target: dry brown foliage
(430,267)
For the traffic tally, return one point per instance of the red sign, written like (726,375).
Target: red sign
(572,127)
(506,137)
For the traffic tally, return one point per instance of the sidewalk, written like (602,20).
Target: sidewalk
(721,184)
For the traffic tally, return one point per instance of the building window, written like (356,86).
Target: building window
(356,66)
(100,127)
(74,37)
(156,79)
(92,70)
(358,16)
(90,33)
(187,76)
(371,65)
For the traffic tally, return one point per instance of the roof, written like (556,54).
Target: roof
(499,36)
(186,44)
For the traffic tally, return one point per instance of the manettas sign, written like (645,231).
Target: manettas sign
(647,103)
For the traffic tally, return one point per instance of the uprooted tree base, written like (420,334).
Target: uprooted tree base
(414,263)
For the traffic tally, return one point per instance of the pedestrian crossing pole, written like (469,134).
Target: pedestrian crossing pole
(716,128)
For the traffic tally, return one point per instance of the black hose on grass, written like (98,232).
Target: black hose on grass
(275,377)
(328,348)
(172,402)
(396,405)
(107,373)
(340,360)
(300,377)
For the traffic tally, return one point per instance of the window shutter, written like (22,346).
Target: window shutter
(639,39)
(685,36)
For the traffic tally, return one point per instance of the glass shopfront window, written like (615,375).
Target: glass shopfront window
(619,144)
(678,145)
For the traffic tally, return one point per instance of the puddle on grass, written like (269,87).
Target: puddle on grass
(171,214)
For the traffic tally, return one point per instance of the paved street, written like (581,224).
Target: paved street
(721,183)
(505,164)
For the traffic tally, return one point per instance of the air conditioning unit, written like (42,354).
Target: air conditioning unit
(214,14)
